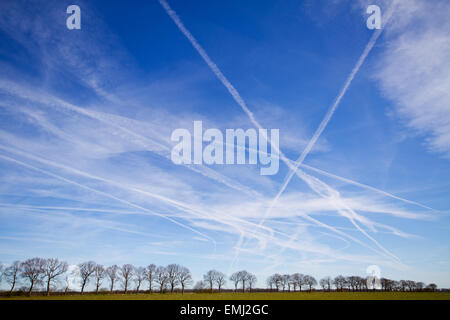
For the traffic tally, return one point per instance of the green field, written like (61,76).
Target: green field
(252,296)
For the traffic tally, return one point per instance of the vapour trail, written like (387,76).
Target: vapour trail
(205,171)
(324,122)
(338,99)
(235,94)
(238,225)
(231,89)
(325,191)
(142,140)
(43,208)
(364,186)
(106,195)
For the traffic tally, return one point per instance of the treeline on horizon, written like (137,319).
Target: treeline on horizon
(54,277)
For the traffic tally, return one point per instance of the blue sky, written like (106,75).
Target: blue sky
(87,115)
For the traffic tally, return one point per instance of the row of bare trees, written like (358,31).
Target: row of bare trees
(216,279)
(165,277)
(35,271)
(405,285)
(284,282)
(51,273)
(340,283)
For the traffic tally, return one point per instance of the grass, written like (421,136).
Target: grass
(251,296)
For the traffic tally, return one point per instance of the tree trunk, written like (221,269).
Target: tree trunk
(48,287)
(31,288)
(12,287)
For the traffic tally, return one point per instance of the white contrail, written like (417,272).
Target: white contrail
(236,96)
(71,209)
(231,89)
(105,194)
(324,122)
(233,222)
(144,141)
(364,186)
(331,110)
(109,120)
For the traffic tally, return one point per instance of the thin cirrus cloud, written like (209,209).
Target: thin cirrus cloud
(414,70)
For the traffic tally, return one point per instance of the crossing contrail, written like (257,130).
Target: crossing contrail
(365,186)
(235,223)
(324,122)
(29,166)
(111,120)
(236,96)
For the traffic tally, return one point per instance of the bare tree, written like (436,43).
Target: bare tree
(172,275)
(278,280)
(293,282)
(251,280)
(161,278)
(220,279)
(235,277)
(86,270)
(362,283)
(323,284)
(184,278)
(310,281)
(403,284)
(353,282)
(53,268)
(270,282)
(149,275)
(432,287)
(33,270)
(339,282)
(126,272)
(67,284)
(199,286)
(299,280)
(140,277)
(243,277)
(2,271)
(12,273)
(69,278)
(210,279)
(411,285)
(99,275)
(387,284)
(111,273)
(328,282)
(419,286)
(285,282)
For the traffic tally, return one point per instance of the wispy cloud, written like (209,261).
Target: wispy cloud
(414,70)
